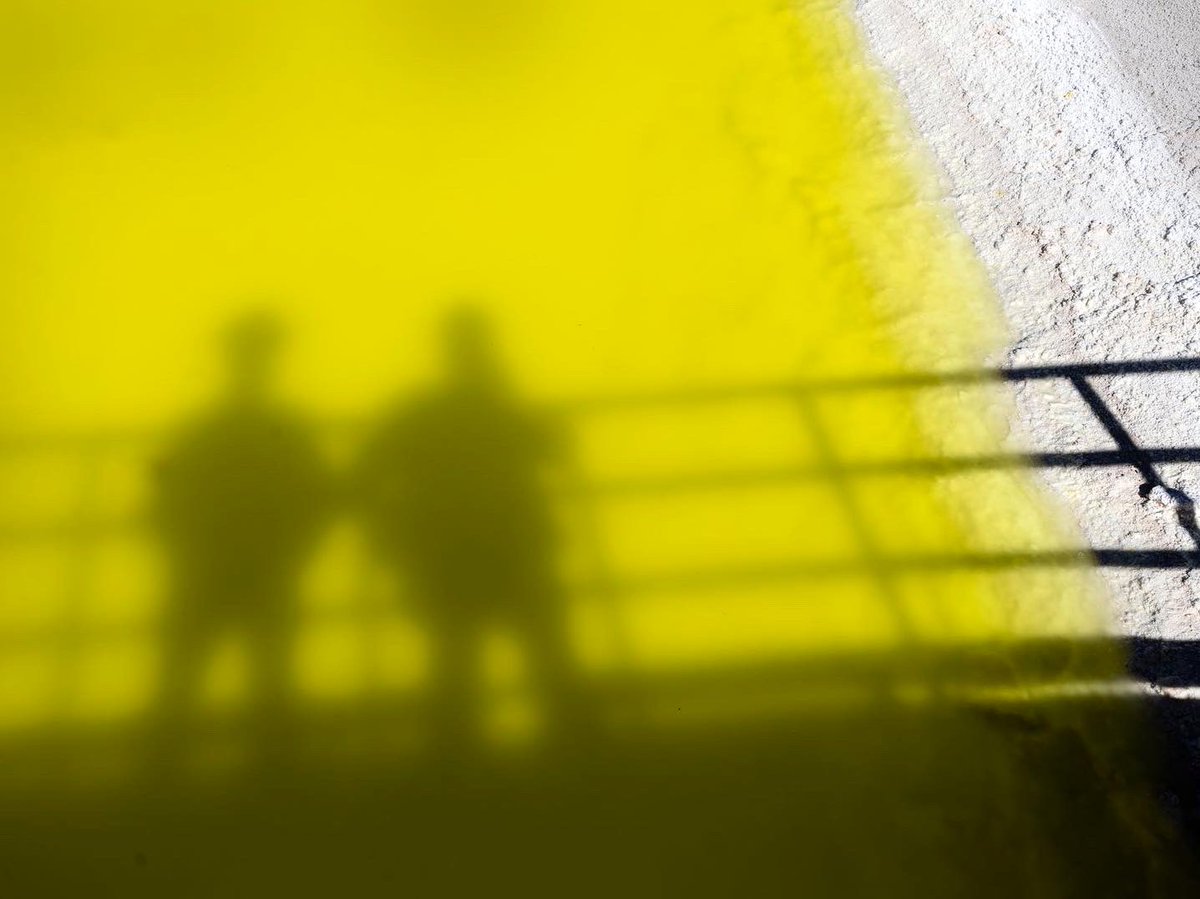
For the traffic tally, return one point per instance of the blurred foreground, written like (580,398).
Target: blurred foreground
(841,803)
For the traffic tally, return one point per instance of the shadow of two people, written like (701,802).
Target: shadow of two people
(449,488)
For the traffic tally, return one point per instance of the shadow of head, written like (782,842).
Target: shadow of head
(468,344)
(251,345)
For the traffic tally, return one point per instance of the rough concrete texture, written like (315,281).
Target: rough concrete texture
(1068,134)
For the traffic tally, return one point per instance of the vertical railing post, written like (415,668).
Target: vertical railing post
(602,580)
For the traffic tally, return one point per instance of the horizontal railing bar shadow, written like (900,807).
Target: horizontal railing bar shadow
(916,564)
(12,443)
(966,561)
(933,563)
(886,381)
(762,575)
(712,579)
(1100,662)
(1015,663)
(735,480)
(889,467)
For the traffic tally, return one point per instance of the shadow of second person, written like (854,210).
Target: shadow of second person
(453,487)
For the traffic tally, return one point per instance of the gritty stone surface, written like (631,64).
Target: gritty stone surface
(1068,136)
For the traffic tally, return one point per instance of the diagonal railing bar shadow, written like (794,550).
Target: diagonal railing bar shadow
(1117,432)
(1185,511)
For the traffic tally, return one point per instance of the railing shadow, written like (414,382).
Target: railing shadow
(87,526)
(1013,707)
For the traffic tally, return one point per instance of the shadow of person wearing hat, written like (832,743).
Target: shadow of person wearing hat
(241,496)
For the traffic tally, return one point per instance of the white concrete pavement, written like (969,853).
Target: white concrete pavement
(1068,135)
